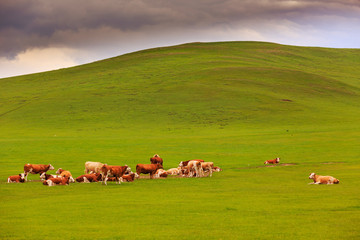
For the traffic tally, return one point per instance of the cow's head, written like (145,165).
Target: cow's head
(22,176)
(59,171)
(277,160)
(51,167)
(312,176)
(181,164)
(42,176)
(128,169)
(71,179)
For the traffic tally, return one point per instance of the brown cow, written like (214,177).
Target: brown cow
(45,176)
(156,159)
(57,181)
(36,168)
(273,161)
(128,177)
(16,178)
(148,168)
(207,167)
(323,179)
(194,168)
(87,178)
(64,173)
(115,171)
(160,173)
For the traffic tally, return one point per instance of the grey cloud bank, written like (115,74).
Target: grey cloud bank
(86,30)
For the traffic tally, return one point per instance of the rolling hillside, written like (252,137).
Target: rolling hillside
(234,103)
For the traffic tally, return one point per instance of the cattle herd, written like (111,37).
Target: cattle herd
(100,172)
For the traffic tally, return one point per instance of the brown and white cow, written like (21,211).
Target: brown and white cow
(93,167)
(194,168)
(129,177)
(16,178)
(160,173)
(115,171)
(57,181)
(273,161)
(185,163)
(156,159)
(45,176)
(323,179)
(65,173)
(148,168)
(36,169)
(217,169)
(174,171)
(87,178)
(207,167)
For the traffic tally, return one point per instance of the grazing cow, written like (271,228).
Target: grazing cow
(64,173)
(93,167)
(57,181)
(217,169)
(128,177)
(323,179)
(115,171)
(156,159)
(36,168)
(87,178)
(207,167)
(273,161)
(174,171)
(45,176)
(185,163)
(148,168)
(16,178)
(160,173)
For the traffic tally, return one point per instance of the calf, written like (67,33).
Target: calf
(57,181)
(323,179)
(45,176)
(148,168)
(87,178)
(115,171)
(273,161)
(36,169)
(93,167)
(16,178)
(156,159)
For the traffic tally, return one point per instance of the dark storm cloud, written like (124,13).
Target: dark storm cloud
(26,24)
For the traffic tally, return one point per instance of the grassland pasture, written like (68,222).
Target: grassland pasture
(236,104)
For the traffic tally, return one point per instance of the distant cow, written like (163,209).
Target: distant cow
(93,167)
(128,177)
(194,168)
(115,171)
(323,179)
(57,181)
(148,168)
(16,178)
(217,169)
(36,169)
(87,178)
(185,163)
(273,161)
(174,171)
(156,159)
(160,173)
(207,167)
(64,173)
(45,176)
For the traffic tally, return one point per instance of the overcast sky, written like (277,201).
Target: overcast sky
(40,35)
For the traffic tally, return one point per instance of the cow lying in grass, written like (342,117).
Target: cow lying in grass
(64,173)
(16,178)
(273,161)
(87,178)
(57,181)
(323,179)
(45,176)
(129,177)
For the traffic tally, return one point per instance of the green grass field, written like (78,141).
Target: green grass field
(236,104)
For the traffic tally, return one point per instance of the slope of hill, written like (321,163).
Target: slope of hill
(200,84)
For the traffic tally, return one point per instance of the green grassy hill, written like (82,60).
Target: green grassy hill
(234,103)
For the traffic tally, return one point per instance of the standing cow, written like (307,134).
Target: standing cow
(93,167)
(36,169)
(148,168)
(115,171)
